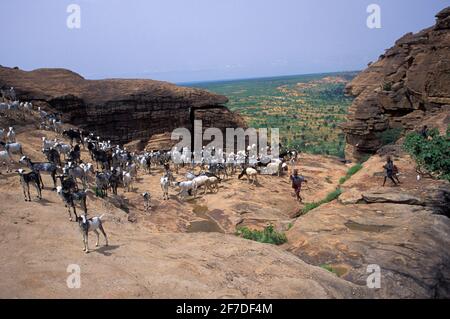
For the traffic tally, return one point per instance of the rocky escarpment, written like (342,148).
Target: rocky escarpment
(119,110)
(407,85)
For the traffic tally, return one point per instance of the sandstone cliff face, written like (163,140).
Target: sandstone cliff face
(408,83)
(119,110)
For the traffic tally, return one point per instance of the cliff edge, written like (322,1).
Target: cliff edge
(407,85)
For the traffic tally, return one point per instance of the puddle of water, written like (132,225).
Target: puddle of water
(207,225)
(340,270)
(200,211)
(367,228)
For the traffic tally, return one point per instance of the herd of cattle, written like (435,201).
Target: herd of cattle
(112,166)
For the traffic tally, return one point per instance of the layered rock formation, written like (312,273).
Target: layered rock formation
(120,110)
(409,83)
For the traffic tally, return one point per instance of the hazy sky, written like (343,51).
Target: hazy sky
(192,40)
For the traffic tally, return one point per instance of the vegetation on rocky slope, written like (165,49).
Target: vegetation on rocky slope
(268,236)
(432,153)
(330,197)
(352,171)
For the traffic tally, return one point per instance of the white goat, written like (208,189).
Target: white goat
(5,159)
(185,187)
(201,181)
(127,181)
(274,168)
(11,136)
(88,168)
(213,184)
(57,125)
(132,169)
(164,182)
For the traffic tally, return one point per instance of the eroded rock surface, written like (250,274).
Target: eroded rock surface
(402,229)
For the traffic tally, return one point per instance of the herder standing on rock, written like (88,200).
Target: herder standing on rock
(297,181)
(390,169)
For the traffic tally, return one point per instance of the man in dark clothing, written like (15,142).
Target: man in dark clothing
(297,181)
(390,169)
(424,132)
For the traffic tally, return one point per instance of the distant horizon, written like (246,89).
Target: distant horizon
(190,83)
(275,76)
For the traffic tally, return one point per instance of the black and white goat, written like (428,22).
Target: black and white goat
(251,173)
(88,225)
(52,156)
(12,148)
(29,178)
(73,135)
(49,168)
(63,149)
(71,198)
(76,172)
(147,198)
(68,183)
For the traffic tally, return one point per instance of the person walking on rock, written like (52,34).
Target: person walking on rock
(389,169)
(297,182)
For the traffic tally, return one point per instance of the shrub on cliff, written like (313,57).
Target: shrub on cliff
(268,236)
(352,171)
(330,197)
(432,153)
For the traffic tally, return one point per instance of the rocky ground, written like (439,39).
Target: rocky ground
(189,249)
(401,229)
